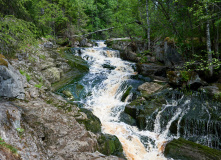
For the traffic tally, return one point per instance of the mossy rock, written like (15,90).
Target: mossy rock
(186,150)
(68,94)
(93,123)
(79,68)
(126,118)
(143,108)
(3,61)
(110,145)
(126,93)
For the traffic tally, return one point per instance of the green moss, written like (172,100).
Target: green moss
(93,123)
(110,145)
(79,68)
(187,150)
(185,75)
(38,85)
(126,93)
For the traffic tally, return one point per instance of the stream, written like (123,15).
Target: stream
(101,91)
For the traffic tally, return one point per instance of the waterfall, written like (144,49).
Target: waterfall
(103,92)
(104,86)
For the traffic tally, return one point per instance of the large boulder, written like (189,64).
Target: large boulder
(11,82)
(110,145)
(39,130)
(214,91)
(166,52)
(150,87)
(186,150)
(151,69)
(143,108)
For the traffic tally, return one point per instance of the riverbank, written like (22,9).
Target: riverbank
(40,124)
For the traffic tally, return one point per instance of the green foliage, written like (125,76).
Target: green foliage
(200,63)
(38,85)
(20,130)
(185,75)
(28,77)
(16,34)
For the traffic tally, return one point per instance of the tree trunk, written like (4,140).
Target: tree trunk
(148,25)
(217,41)
(208,42)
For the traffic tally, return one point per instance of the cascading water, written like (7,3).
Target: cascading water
(103,88)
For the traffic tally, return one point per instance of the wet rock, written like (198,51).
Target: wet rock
(126,93)
(150,87)
(151,69)
(92,123)
(126,118)
(108,66)
(68,94)
(110,145)
(187,150)
(143,109)
(131,110)
(11,82)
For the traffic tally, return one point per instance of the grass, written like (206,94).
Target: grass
(28,77)
(39,85)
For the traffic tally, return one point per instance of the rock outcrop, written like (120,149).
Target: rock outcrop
(45,125)
(152,69)
(12,83)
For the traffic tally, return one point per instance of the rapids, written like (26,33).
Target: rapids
(103,87)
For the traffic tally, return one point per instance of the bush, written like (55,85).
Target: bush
(15,35)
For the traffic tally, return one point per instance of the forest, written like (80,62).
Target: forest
(193,27)
(110,79)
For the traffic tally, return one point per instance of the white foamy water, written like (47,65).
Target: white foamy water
(105,102)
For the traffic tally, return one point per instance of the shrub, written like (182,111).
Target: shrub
(16,34)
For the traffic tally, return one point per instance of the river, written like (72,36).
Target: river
(109,77)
